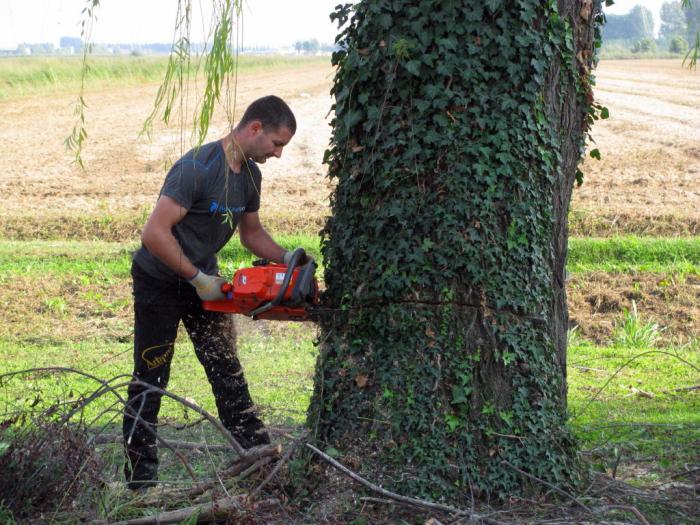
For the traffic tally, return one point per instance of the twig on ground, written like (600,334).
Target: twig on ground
(252,469)
(629,508)
(398,497)
(105,439)
(293,447)
(207,512)
(546,484)
(684,389)
(686,473)
(237,468)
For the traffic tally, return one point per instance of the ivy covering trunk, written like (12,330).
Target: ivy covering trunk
(458,127)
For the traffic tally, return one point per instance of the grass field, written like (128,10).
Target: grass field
(37,76)
(78,316)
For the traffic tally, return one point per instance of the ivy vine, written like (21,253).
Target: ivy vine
(440,245)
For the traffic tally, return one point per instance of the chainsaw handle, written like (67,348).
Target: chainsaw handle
(296,255)
(227,290)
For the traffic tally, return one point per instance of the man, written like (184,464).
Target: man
(206,194)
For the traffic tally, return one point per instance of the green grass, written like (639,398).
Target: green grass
(279,369)
(635,254)
(633,400)
(616,254)
(44,258)
(28,76)
(621,398)
(113,260)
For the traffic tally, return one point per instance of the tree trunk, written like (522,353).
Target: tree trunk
(458,127)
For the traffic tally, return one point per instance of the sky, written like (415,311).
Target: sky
(622,7)
(274,23)
(265,22)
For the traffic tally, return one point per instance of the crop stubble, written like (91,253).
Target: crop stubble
(647,181)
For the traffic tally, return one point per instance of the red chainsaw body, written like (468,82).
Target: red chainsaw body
(254,287)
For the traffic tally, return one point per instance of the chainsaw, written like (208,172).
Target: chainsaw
(272,291)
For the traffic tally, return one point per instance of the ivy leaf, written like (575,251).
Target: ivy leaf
(332,452)
(604,112)
(493,5)
(460,395)
(595,153)
(452,422)
(413,67)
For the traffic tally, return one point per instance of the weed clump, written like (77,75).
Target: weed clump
(633,332)
(45,467)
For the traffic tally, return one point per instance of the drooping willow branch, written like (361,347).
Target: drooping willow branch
(75,141)
(220,63)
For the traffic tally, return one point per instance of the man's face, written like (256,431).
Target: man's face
(266,144)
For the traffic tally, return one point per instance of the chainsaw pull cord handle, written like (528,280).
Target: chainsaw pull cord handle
(285,284)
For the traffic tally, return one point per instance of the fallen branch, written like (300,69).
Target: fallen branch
(220,508)
(546,484)
(684,389)
(275,470)
(106,439)
(253,468)
(404,499)
(633,510)
(238,468)
(686,473)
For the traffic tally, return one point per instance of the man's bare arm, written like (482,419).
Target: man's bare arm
(254,237)
(158,238)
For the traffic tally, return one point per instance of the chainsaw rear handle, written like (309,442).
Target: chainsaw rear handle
(296,255)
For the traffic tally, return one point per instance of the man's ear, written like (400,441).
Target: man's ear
(256,127)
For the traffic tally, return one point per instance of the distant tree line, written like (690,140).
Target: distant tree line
(74,45)
(312,46)
(636,29)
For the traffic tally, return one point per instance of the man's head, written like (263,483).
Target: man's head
(266,128)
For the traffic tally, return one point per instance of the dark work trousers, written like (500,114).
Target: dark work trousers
(159,306)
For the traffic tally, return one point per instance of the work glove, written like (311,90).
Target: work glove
(303,259)
(208,286)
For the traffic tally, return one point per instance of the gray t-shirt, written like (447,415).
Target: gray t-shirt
(215,199)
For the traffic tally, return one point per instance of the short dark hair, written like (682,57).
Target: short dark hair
(272,112)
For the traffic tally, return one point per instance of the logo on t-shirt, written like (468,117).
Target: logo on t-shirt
(215,206)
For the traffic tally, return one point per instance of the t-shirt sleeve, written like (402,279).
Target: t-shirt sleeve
(181,183)
(254,187)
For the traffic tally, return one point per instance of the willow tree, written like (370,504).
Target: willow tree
(457,132)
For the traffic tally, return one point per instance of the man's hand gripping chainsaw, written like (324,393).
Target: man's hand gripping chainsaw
(272,291)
